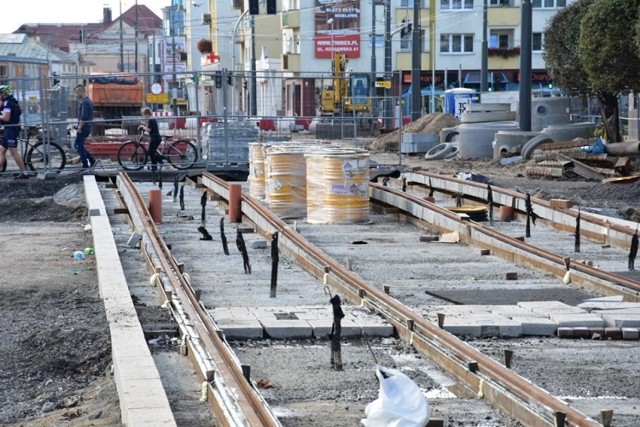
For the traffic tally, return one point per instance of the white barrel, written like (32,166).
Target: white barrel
(256,177)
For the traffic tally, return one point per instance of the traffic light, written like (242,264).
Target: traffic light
(254,7)
(271,7)
(406,29)
(218,80)
(230,78)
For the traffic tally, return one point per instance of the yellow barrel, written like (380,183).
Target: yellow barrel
(256,170)
(337,186)
(285,180)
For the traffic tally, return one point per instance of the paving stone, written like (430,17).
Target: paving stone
(630,333)
(581,332)
(548,307)
(565,332)
(536,326)
(613,333)
(574,320)
(483,325)
(621,320)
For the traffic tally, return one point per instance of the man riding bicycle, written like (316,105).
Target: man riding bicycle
(10,119)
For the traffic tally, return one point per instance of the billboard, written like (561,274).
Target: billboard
(337,28)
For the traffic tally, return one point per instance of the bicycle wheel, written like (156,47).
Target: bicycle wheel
(132,156)
(181,154)
(42,157)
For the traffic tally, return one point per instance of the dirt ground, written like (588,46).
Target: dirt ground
(55,354)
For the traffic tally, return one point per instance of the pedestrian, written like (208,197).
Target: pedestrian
(85,121)
(150,125)
(10,120)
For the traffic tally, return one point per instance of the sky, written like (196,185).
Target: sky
(68,11)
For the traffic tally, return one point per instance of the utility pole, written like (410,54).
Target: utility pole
(416,65)
(525,67)
(121,67)
(373,58)
(387,63)
(254,89)
(484,65)
(135,61)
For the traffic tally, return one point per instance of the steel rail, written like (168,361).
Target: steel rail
(600,279)
(499,385)
(246,400)
(592,227)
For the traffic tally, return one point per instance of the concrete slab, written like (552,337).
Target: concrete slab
(512,311)
(611,298)
(483,325)
(322,328)
(621,320)
(630,333)
(285,328)
(549,307)
(609,305)
(536,326)
(242,329)
(574,320)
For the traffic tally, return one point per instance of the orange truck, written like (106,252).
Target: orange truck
(114,97)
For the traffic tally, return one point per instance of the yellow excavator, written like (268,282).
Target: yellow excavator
(349,92)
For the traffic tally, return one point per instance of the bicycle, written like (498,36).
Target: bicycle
(181,154)
(41,155)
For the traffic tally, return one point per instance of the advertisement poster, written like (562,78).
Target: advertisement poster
(337,28)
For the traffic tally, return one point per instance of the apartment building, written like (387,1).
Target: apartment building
(451,43)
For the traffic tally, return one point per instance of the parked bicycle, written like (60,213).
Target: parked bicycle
(180,153)
(37,153)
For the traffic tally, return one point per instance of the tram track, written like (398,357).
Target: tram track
(497,384)
(482,375)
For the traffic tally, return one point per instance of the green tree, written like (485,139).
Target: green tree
(562,50)
(610,56)
(590,50)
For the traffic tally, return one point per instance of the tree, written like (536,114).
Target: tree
(610,56)
(562,51)
(590,50)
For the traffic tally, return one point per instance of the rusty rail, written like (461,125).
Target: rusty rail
(497,384)
(231,395)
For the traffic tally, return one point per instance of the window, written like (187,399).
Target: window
(499,3)
(501,38)
(456,43)
(548,4)
(537,42)
(456,4)
(406,3)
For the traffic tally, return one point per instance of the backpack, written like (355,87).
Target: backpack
(16,111)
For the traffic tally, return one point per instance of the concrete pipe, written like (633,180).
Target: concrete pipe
(623,148)
(569,132)
(508,143)
(475,140)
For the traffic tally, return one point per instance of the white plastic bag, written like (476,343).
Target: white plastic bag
(400,402)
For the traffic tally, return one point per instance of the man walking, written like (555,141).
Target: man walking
(85,120)
(10,118)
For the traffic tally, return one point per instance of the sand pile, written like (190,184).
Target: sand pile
(431,123)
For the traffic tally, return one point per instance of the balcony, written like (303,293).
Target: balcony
(290,19)
(505,62)
(291,62)
(503,16)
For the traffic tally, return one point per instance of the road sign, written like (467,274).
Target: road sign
(385,84)
(161,98)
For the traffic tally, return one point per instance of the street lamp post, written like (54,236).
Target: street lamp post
(331,50)
(233,57)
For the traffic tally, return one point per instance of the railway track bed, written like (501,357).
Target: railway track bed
(417,275)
